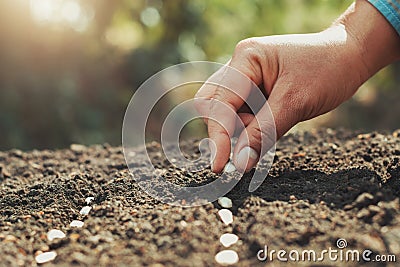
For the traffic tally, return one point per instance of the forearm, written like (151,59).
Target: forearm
(377,41)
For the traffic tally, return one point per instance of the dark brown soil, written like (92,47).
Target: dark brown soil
(322,186)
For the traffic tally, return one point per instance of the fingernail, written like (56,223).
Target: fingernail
(246,159)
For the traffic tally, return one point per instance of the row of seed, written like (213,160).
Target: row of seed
(227,256)
(55,233)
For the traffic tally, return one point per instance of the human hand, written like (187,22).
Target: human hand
(303,76)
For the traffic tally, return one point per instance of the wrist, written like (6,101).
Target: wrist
(370,35)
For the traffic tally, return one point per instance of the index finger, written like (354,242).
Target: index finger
(230,88)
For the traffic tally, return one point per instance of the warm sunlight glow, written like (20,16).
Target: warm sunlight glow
(43,10)
(71,11)
(68,12)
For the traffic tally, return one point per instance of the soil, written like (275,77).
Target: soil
(323,185)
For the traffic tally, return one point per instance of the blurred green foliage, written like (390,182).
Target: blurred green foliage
(68,68)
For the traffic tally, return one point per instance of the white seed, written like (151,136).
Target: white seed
(54,233)
(85,210)
(226,216)
(229,167)
(227,257)
(225,202)
(88,200)
(46,257)
(228,240)
(76,223)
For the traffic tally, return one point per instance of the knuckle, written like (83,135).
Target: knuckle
(203,94)
(202,100)
(263,132)
(219,101)
(256,135)
(219,93)
(247,46)
(201,104)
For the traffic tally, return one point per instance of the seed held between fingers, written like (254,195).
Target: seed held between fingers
(246,159)
(229,168)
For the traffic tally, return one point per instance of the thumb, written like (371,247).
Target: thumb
(272,121)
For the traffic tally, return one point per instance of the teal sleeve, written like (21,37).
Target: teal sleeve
(390,9)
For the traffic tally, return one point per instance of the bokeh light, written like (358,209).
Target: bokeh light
(65,12)
(69,67)
(150,17)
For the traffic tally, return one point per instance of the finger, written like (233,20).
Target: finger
(202,106)
(202,99)
(231,89)
(233,86)
(274,119)
(243,120)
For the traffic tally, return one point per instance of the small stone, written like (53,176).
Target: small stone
(227,257)
(225,202)
(88,200)
(183,223)
(333,146)
(364,213)
(229,167)
(364,200)
(226,216)
(228,240)
(74,237)
(348,207)
(43,248)
(46,257)
(77,148)
(54,233)
(10,238)
(5,172)
(76,223)
(374,209)
(299,155)
(85,210)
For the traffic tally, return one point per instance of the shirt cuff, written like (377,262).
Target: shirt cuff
(390,9)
